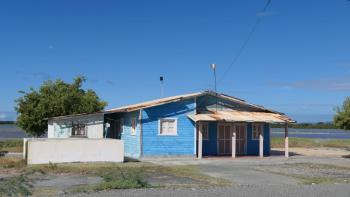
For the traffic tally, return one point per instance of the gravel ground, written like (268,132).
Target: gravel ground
(256,177)
(339,190)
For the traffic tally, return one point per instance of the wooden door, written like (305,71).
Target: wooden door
(241,138)
(224,139)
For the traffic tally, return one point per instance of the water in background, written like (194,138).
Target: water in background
(312,133)
(9,131)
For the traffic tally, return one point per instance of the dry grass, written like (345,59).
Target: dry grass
(11,146)
(12,162)
(310,143)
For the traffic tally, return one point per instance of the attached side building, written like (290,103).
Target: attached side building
(198,124)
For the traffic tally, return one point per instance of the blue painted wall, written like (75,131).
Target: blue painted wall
(253,145)
(183,143)
(132,146)
(210,145)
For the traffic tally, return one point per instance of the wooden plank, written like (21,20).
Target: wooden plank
(200,140)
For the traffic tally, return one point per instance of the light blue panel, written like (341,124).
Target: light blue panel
(132,146)
(253,145)
(209,102)
(210,145)
(183,143)
(62,130)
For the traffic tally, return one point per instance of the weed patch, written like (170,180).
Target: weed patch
(14,186)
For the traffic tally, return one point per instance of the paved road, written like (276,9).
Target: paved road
(339,190)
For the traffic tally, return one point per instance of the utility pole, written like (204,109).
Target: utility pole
(213,66)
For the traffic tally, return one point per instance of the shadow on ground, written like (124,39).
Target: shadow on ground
(280,153)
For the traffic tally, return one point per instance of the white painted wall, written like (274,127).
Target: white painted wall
(43,151)
(50,129)
(61,128)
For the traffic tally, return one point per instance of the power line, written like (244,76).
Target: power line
(241,49)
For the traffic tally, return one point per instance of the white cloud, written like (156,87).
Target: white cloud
(3,116)
(331,84)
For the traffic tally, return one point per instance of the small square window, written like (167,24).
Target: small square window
(168,126)
(133,126)
(78,130)
(257,129)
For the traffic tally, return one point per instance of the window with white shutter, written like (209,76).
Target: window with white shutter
(168,126)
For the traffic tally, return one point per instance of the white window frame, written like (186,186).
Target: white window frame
(160,127)
(133,126)
(261,125)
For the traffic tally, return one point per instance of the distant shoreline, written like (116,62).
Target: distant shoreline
(319,125)
(7,122)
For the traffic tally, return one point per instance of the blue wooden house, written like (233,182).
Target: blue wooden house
(198,124)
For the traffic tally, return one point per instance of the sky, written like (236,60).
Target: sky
(296,60)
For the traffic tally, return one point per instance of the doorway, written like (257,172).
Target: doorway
(224,138)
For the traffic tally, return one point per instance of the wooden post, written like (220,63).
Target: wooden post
(200,141)
(286,141)
(233,144)
(261,144)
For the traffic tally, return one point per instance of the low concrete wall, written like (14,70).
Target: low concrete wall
(41,151)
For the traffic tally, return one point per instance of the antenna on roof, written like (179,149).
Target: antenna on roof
(161,79)
(213,66)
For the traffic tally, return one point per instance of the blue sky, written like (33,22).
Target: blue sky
(297,61)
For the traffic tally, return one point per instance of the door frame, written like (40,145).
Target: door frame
(246,137)
(231,124)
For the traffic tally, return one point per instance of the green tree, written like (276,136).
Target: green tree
(54,98)
(342,118)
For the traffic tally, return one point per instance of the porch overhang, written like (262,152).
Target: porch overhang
(241,116)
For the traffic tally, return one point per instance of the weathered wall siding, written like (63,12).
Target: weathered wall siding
(210,145)
(253,145)
(157,145)
(209,102)
(131,142)
(63,129)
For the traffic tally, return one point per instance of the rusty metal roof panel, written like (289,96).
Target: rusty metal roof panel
(241,116)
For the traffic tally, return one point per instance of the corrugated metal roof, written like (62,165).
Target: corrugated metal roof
(161,101)
(241,116)
(152,103)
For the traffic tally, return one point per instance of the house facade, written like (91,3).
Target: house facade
(195,125)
